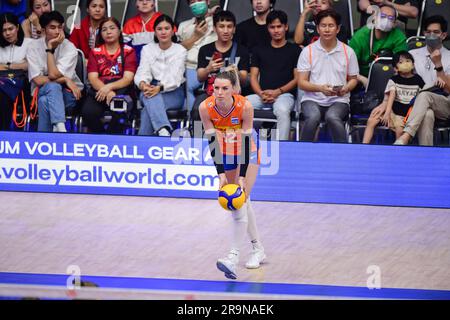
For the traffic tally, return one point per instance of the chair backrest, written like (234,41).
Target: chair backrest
(344,8)
(130,10)
(292,9)
(381,70)
(81,67)
(242,9)
(431,8)
(415,42)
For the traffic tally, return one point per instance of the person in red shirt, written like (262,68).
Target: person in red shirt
(84,35)
(111,68)
(139,30)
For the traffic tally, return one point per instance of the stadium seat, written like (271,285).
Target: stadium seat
(242,9)
(381,70)
(415,42)
(293,10)
(431,8)
(267,116)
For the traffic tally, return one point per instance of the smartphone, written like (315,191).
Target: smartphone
(199,20)
(337,88)
(217,55)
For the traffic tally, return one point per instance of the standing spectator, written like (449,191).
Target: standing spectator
(328,72)
(220,55)
(16,7)
(405,8)
(400,92)
(194,34)
(52,62)
(160,77)
(13,50)
(253,32)
(369,43)
(306,30)
(31,26)
(138,31)
(433,64)
(274,75)
(84,35)
(111,68)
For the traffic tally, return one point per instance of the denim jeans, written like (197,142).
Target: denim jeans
(334,116)
(53,99)
(153,115)
(282,108)
(192,84)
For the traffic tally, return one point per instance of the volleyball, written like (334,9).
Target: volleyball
(231,197)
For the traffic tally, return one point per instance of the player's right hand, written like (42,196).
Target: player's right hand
(222,180)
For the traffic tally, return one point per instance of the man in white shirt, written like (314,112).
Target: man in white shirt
(328,72)
(193,34)
(432,63)
(52,62)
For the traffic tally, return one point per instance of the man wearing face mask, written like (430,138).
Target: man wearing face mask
(194,34)
(368,42)
(433,65)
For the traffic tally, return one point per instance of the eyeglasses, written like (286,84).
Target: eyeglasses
(384,15)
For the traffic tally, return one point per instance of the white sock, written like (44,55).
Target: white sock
(252,228)
(240,221)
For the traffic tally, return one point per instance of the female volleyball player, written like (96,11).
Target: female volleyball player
(228,122)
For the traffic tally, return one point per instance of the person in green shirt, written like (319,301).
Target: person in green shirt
(377,36)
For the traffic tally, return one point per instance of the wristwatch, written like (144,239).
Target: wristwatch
(50,50)
(161,88)
(439,69)
(8,65)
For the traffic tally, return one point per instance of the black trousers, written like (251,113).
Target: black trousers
(92,112)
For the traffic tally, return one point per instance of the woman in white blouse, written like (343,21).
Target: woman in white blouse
(13,49)
(160,77)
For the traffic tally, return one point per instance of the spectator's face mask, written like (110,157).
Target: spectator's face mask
(384,22)
(199,9)
(405,66)
(433,41)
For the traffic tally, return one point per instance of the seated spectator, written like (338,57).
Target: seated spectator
(138,31)
(405,8)
(13,50)
(368,43)
(400,91)
(220,55)
(306,30)
(273,74)
(31,26)
(433,65)
(84,35)
(328,72)
(160,77)
(194,34)
(111,68)
(253,32)
(16,7)
(52,61)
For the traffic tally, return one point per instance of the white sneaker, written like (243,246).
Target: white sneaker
(258,256)
(228,265)
(399,142)
(59,127)
(163,132)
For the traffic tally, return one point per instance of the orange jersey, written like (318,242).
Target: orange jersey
(229,127)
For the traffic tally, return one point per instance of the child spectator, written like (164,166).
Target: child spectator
(400,94)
